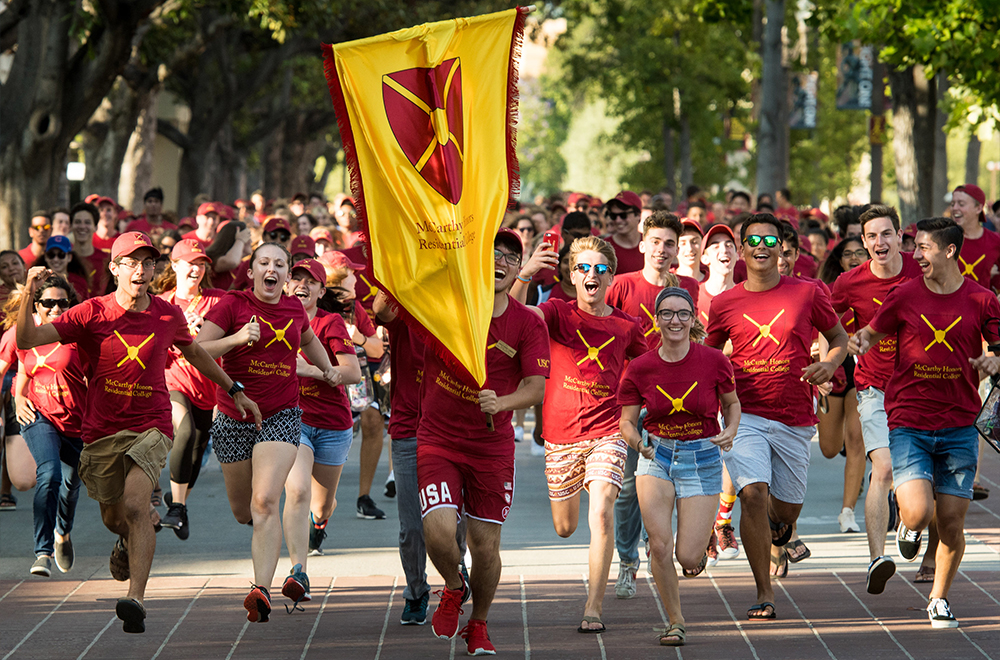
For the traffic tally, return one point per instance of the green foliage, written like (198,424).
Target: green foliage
(546,109)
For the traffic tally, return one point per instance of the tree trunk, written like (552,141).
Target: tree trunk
(924,122)
(903,120)
(772,99)
(669,175)
(687,170)
(137,165)
(940,173)
(106,138)
(972,158)
(878,107)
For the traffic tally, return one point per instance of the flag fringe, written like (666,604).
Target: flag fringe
(513,98)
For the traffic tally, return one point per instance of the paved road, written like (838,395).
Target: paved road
(196,591)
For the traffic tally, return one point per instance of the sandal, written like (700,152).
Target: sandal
(8,502)
(980,492)
(676,631)
(924,574)
(759,611)
(697,570)
(132,614)
(592,619)
(119,561)
(798,551)
(156,499)
(783,530)
(779,564)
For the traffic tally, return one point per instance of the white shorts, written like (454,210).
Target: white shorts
(874,421)
(773,453)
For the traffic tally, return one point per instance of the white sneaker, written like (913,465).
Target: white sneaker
(847,521)
(625,586)
(518,433)
(537,449)
(940,614)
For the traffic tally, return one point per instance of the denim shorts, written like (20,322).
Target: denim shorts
(874,422)
(329,447)
(694,467)
(947,458)
(773,453)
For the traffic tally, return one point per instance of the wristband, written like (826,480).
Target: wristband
(522,279)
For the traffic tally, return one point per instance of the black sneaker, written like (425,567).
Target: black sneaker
(879,572)
(415,611)
(367,509)
(177,520)
(317,535)
(907,543)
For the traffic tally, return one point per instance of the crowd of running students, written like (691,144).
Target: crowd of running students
(684,359)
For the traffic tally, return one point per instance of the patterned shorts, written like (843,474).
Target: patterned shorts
(570,467)
(234,441)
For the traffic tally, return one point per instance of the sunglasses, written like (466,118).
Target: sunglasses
(55,254)
(41,227)
(619,216)
(754,240)
(511,259)
(49,303)
(600,269)
(668,314)
(279,235)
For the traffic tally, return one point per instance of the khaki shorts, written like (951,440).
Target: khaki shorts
(570,467)
(106,462)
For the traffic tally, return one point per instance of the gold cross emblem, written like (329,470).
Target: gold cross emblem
(279,333)
(967,267)
(593,352)
(765,330)
(40,360)
(652,318)
(940,335)
(132,352)
(678,403)
(372,289)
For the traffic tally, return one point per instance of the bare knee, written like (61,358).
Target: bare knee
(754,497)
(881,473)
(111,518)
(297,495)
(371,423)
(263,505)
(660,549)
(951,533)
(564,529)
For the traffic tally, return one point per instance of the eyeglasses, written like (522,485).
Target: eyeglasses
(41,227)
(619,216)
(132,264)
(860,254)
(55,254)
(511,259)
(666,315)
(281,236)
(600,269)
(49,303)
(754,240)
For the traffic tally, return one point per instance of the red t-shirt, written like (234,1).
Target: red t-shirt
(364,287)
(8,348)
(266,369)
(29,256)
(629,259)
(56,385)
(681,398)
(193,235)
(323,406)
(181,375)
(125,355)
(636,296)
(933,386)
(142,224)
(704,301)
(97,270)
(978,257)
(104,244)
(450,415)
(407,354)
(588,358)
(772,333)
(556,293)
(858,291)
(79,284)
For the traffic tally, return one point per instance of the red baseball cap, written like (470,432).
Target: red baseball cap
(105,200)
(715,230)
(511,239)
(337,259)
(131,242)
(321,234)
(976,193)
(910,230)
(687,223)
(189,249)
(628,198)
(210,207)
(303,245)
(277,223)
(313,267)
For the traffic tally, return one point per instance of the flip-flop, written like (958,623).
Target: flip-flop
(133,615)
(784,528)
(794,555)
(924,574)
(697,570)
(780,564)
(675,630)
(761,609)
(592,619)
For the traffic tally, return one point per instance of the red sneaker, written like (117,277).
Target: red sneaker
(445,619)
(477,638)
(258,604)
(713,550)
(728,547)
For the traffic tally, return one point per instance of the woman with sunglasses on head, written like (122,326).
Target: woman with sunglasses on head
(681,385)
(258,335)
(62,261)
(192,394)
(49,393)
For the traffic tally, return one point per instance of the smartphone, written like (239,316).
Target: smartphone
(553,238)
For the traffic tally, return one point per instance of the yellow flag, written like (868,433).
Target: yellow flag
(426,117)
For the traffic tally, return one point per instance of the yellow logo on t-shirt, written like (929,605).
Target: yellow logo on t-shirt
(678,403)
(279,333)
(372,290)
(593,352)
(967,267)
(132,352)
(652,318)
(765,330)
(40,360)
(940,336)
(877,301)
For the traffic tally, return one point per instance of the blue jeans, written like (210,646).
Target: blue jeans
(58,482)
(628,517)
(947,458)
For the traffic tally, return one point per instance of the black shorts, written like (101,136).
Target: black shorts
(849,379)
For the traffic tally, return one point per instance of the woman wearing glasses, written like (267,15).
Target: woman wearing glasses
(49,393)
(681,384)
(61,260)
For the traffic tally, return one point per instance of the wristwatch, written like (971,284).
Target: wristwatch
(236,388)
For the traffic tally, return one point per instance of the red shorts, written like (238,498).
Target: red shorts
(481,487)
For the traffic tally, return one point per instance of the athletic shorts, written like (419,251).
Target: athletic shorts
(482,488)
(842,386)
(947,458)
(570,467)
(694,467)
(234,440)
(874,421)
(773,453)
(105,462)
(328,447)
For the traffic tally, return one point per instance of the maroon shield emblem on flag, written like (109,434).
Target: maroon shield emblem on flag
(424,108)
